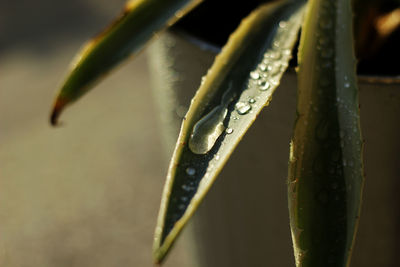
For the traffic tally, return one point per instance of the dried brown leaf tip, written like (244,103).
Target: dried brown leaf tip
(56,111)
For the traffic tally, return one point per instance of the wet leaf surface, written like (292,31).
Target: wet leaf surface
(238,85)
(326,169)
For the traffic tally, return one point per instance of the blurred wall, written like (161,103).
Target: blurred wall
(86,193)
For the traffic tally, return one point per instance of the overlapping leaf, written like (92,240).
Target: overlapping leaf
(326,169)
(238,85)
(140,21)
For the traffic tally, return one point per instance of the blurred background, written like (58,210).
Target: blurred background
(85,193)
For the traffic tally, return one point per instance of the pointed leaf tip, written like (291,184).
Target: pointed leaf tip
(56,111)
(139,22)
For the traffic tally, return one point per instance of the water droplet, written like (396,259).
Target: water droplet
(262,67)
(276,55)
(252,101)
(203,79)
(277,44)
(264,85)
(207,130)
(242,108)
(184,199)
(190,171)
(255,75)
(282,24)
(229,130)
(287,52)
(347,85)
(186,188)
(274,70)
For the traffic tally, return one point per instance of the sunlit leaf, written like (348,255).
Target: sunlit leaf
(326,169)
(238,85)
(139,22)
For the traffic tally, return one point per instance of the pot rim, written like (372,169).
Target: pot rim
(207,46)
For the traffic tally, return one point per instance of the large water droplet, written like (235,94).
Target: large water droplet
(242,108)
(207,130)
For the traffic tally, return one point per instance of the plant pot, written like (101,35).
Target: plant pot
(244,220)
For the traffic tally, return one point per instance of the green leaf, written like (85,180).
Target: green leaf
(326,169)
(139,22)
(238,85)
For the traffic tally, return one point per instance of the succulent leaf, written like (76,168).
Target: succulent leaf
(238,85)
(326,169)
(139,22)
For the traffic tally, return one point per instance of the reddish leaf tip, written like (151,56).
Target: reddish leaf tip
(55,114)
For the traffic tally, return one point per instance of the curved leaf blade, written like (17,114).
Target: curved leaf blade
(326,169)
(238,85)
(139,22)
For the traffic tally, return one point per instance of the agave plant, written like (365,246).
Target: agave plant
(326,148)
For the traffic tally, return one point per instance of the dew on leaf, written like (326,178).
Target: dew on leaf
(242,108)
(190,171)
(255,75)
